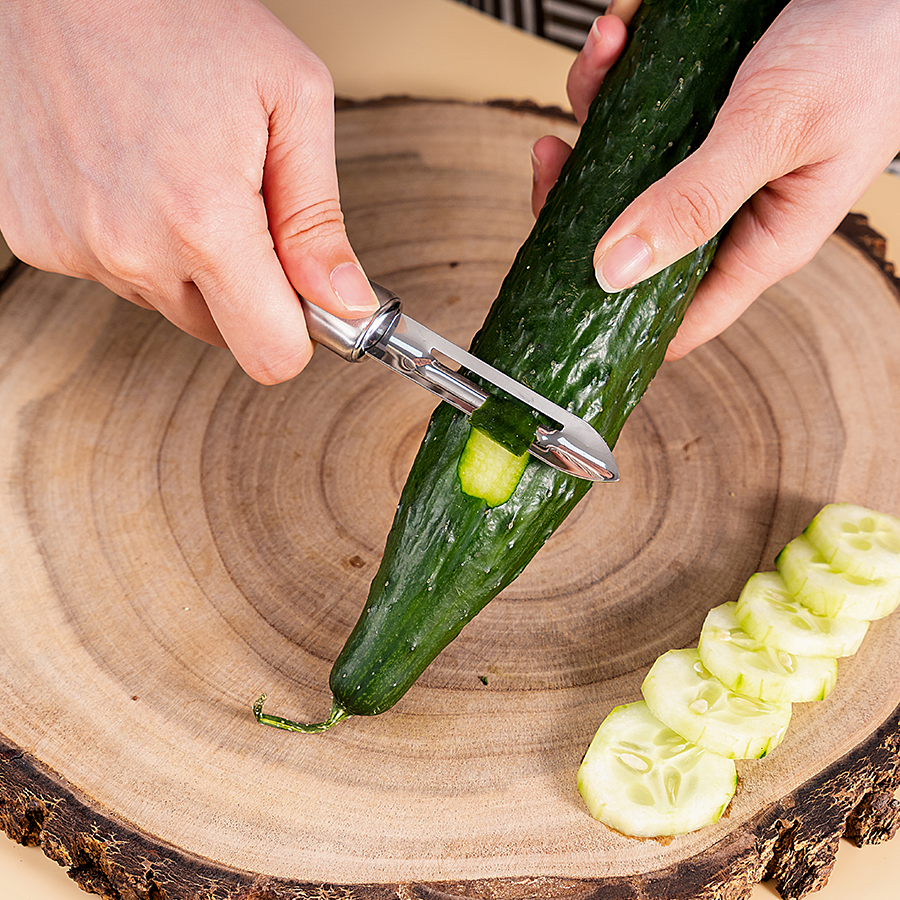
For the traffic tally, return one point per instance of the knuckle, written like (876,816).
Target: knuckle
(317,81)
(125,262)
(313,223)
(111,248)
(276,369)
(47,247)
(68,258)
(790,132)
(307,91)
(197,229)
(785,121)
(695,212)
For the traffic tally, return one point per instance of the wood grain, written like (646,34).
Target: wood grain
(175,538)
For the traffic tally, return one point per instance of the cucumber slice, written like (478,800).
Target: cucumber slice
(767,611)
(683,694)
(488,470)
(827,592)
(857,540)
(751,668)
(641,778)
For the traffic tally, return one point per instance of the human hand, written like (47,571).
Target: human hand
(811,120)
(182,155)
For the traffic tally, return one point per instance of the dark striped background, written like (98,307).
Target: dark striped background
(564,21)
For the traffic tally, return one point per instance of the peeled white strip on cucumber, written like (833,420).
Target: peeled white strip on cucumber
(828,592)
(643,779)
(768,611)
(683,694)
(857,540)
(488,470)
(755,670)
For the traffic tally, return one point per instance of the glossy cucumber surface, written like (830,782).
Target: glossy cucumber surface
(552,326)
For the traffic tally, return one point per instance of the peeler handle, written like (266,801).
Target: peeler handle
(351,338)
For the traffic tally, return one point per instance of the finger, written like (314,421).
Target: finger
(300,187)
(773,235)
(181,303)
(253,305)
(684,209)
(601,49)
(623,9)
(548,155)
(239,300)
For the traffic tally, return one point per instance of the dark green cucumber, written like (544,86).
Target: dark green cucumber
(555,329)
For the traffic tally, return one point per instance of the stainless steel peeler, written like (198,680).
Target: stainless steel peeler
(409,348)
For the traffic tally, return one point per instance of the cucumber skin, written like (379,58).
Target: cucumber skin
(447,554)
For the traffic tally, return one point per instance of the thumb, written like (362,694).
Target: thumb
(300,189)
(677,214)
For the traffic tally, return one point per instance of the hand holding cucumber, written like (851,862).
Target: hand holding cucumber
(812,118)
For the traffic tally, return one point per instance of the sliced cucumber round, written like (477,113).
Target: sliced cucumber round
(767,611)
(828,592)
(683,694)
(755,670)
(857,540)
(641,778)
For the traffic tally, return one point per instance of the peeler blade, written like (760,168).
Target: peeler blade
(418,353)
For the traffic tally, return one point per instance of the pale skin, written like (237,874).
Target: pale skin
(182,155)
(812,119)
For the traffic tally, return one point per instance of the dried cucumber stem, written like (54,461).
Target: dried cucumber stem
(338,714)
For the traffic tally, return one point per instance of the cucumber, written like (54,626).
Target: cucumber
(488,470)
(552,327)
(768,611)
(641,778)
(827,592)
(732,696)
(755,670)
(857,540)
(684,695)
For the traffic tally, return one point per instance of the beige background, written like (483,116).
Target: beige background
(441,49)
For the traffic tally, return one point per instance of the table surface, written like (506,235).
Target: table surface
(441,49)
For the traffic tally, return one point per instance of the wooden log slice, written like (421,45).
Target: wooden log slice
(177,538)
